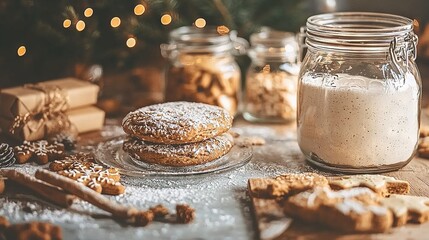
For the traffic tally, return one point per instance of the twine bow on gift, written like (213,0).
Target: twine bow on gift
(51,115)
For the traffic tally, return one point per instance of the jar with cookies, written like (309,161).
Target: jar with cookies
(271,81)
(202,66)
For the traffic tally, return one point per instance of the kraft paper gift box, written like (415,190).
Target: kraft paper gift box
(23,99)
(85,119)
(34,99)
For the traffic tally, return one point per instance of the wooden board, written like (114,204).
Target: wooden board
(273,224)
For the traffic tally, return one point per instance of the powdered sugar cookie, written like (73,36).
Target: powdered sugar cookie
(179,155)
(177,122)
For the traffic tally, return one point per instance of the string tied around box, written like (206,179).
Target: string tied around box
(51,116)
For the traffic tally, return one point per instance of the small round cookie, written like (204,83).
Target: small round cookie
(177,122)
(179,155)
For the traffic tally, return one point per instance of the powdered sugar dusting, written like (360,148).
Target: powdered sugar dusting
(221,202)
(177,122)
(183,154)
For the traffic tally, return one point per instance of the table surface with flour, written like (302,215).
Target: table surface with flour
(223,208)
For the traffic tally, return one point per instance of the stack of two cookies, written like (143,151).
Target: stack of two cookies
(178,133)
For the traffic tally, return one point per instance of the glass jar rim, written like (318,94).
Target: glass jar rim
(357,31)
(274,45)
(270,37)
(206,39)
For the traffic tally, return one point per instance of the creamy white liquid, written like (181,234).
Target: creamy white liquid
(354,121)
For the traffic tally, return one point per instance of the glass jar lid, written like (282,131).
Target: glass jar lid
(203,40)
(359,32)
(274,45)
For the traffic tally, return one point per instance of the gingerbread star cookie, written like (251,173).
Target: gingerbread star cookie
(407,208)
(286,184)
(82,168)
(350,210)
(383,185)
(66,162)
(40,151)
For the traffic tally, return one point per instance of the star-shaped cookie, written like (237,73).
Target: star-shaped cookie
(383,185)
(286,184)
(407,208)
(82,168)
(40,152)
(350,210)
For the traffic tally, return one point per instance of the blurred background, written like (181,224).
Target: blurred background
(115,43)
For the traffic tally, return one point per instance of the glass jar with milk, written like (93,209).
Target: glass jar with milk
(359,92)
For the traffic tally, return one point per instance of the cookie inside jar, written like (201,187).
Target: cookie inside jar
(272,78)
(203,68)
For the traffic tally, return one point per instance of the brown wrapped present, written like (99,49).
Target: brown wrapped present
(21,100)
(85,119)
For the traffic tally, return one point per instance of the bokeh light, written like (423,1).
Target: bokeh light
(21,51)
(131,42)
(139,9)
(166,19)
(200,22)
(222,29)
(88,12)
(115,22)
(67,23)
(80,25)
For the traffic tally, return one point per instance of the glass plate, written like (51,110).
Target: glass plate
(110,153)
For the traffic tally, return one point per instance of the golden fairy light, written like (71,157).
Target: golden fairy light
(67,23)
(88,12)
(139,9)
(200,22)
(166,19)
(222,29)
(131,42)
(21,51)
(115,22)
(80,25)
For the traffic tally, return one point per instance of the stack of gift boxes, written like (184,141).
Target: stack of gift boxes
(80,110)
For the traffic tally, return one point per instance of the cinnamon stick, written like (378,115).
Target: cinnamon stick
(1,184)
(48,192)
(86,194)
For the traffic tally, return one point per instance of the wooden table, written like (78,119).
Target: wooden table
(273,224)
(221,201)
(224,210)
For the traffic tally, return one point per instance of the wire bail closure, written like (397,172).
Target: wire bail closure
(401,53)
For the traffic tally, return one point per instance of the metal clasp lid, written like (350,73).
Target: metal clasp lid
(401,50)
